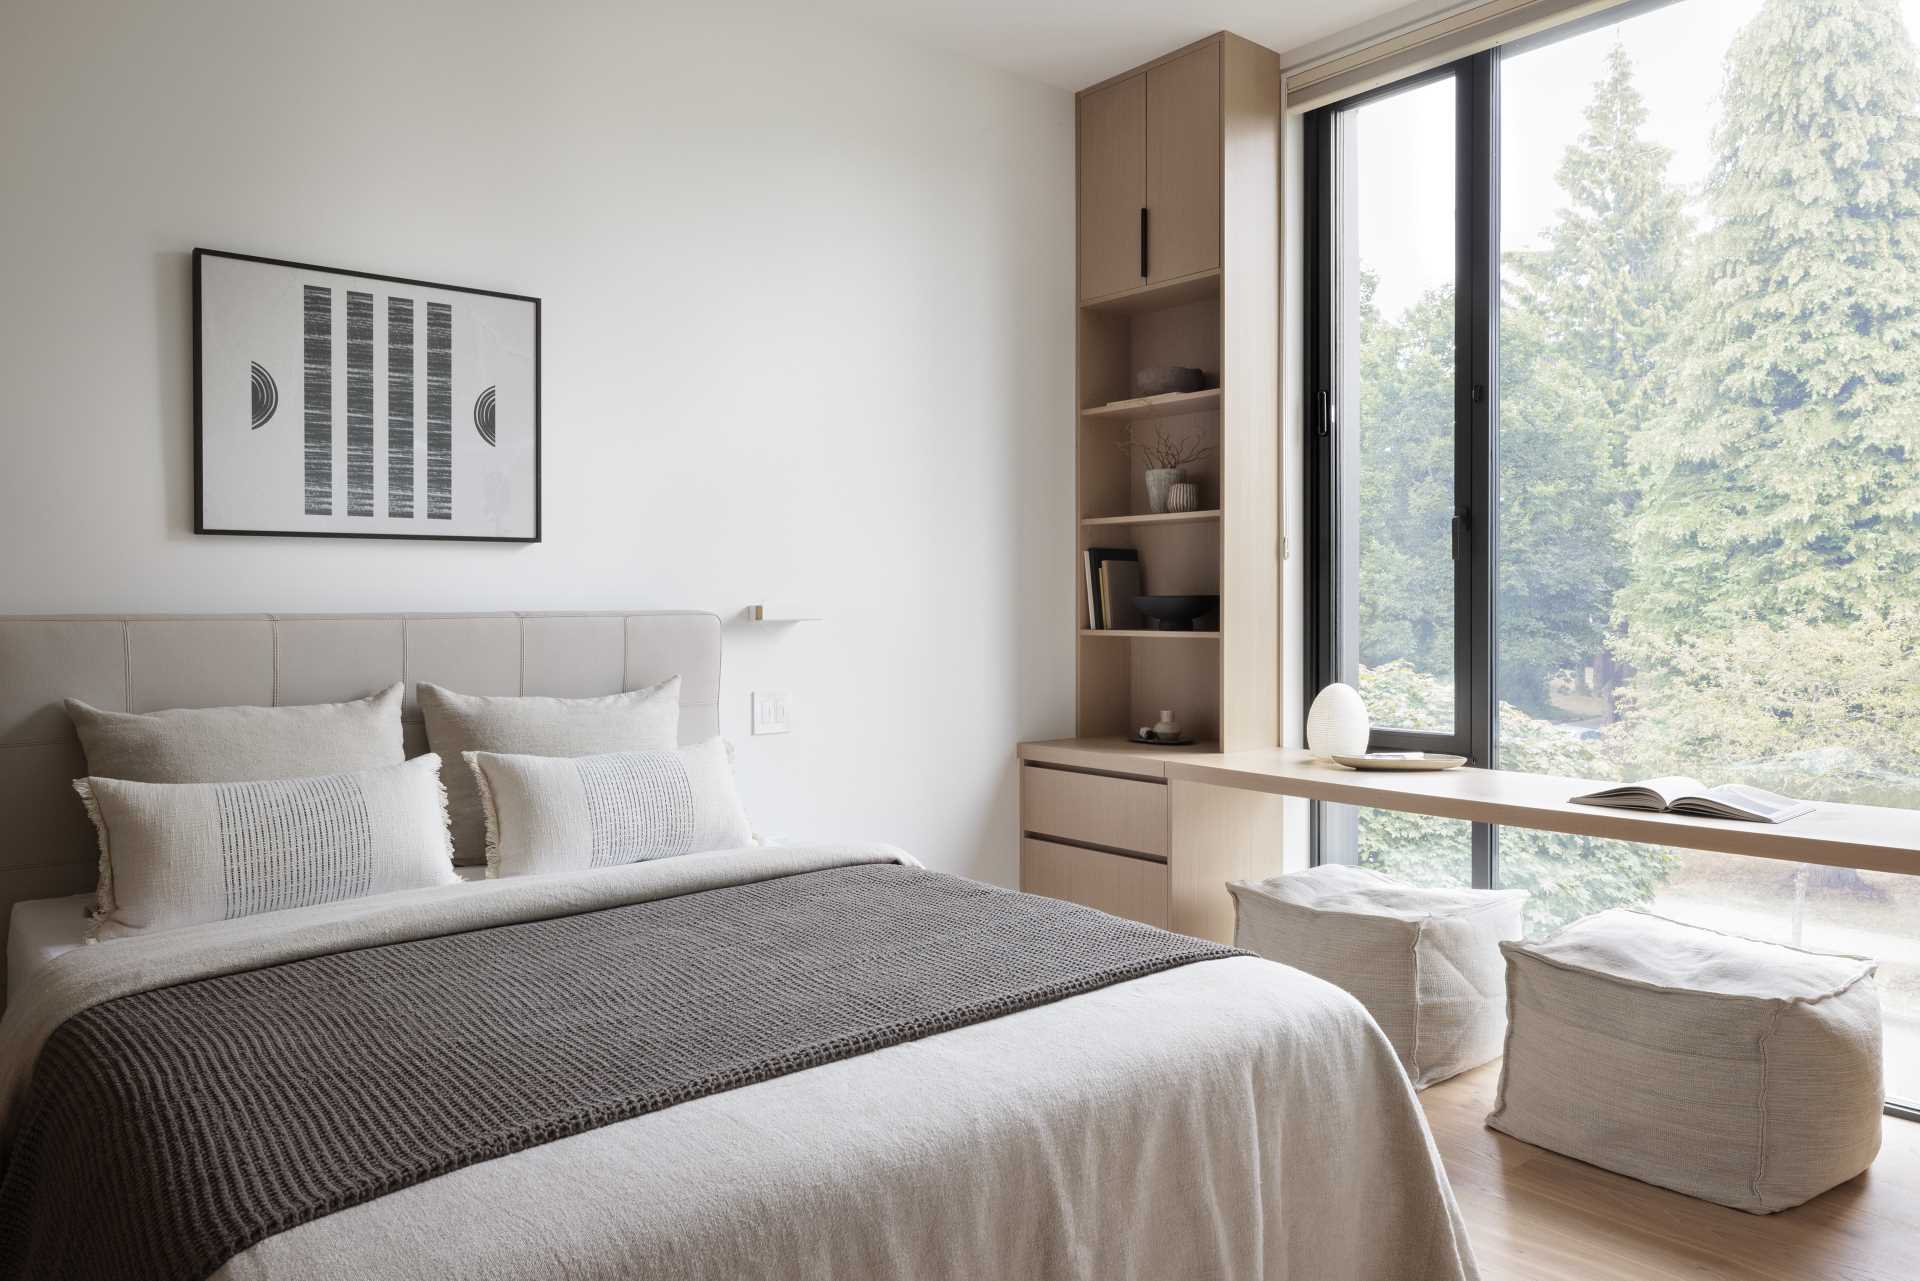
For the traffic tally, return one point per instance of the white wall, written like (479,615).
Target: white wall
(807,336)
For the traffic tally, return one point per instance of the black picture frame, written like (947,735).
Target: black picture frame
(200,526)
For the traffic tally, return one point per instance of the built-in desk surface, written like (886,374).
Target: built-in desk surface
(1862,836)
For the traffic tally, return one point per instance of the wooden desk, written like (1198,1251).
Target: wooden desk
(1862,836)
(1154,833)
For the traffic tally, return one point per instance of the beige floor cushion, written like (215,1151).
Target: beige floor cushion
(1742,1072)
(1425,962)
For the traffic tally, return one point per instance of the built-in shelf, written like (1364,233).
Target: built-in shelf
(1168,293)
(1861,836)
(1155,518)
(1166,405)
(1129,633)
(780,614)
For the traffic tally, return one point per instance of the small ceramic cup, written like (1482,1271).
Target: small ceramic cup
(1183,497)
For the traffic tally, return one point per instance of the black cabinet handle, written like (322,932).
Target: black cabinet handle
(1143,244)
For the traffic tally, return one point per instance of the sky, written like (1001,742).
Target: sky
(1406,141)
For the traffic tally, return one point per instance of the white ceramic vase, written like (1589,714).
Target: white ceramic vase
(1337,723)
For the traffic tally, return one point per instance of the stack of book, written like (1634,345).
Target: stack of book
(1113,580)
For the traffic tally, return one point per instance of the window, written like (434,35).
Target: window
(1614,361)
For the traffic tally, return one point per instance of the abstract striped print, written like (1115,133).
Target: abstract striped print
(294,842)
(400,407)
(359,403)
(439,411)
(317,330)
(639,806)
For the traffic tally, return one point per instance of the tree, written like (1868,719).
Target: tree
(1607,284)
(1605,291)
(1406,500)
(1781,481)
(1561,519)
(1559,523)
(1567,877)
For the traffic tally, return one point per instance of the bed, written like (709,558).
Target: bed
(1166,1109)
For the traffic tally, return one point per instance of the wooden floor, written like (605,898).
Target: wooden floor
(1536,1216)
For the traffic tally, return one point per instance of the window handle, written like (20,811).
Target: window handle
(1457,536)
(1143,243)
(1325,423)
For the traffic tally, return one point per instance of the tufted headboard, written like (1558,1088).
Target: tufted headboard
(143,663)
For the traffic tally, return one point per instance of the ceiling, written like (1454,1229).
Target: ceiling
(1075,43)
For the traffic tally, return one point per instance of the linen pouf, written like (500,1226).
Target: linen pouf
(1734,1070)
(1425,962)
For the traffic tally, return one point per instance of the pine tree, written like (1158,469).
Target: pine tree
(1783,482)
(1606,284)
(1602,295)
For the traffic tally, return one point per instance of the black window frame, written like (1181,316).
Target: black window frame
(1332,621)
(1332,613)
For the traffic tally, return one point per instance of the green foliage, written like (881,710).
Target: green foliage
(1709,461)
(1780,480)
(1560,529)
(1606,286)
(1567,876)
(1406,499)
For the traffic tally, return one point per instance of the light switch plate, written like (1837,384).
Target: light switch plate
(771,709)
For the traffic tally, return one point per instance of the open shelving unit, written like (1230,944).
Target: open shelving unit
(1209,113)
(1179,264)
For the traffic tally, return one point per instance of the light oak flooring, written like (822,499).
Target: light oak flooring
(1536,1216)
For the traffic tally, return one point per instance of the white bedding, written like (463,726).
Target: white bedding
(1231,1119)
(42,928)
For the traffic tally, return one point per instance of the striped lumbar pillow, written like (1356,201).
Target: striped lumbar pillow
(174,854)
(560,814)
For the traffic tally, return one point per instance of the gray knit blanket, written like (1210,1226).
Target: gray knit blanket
(165,1132)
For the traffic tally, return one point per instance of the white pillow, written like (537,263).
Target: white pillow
(560,814)
(175,854)
(640,720)
(240,744)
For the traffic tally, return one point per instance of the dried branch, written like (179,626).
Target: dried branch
(1165,452)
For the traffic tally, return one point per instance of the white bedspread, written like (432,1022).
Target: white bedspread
(1228,1119)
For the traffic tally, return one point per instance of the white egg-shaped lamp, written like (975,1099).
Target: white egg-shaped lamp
(1337,723)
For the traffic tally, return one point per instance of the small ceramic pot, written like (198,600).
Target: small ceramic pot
(1183,497)
(1159,481)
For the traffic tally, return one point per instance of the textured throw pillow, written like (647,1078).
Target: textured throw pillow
(241,744)
(174,854)
(641,720)
(553,814)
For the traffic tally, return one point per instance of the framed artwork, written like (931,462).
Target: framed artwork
(340,404)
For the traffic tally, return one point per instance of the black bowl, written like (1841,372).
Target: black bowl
(1176,613)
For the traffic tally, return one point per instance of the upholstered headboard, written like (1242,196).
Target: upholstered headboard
(143,663)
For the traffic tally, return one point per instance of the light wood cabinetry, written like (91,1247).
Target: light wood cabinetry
(1130,887)
(1102,824)
(1150,161)
(1193,139)
(1113,185)
(1183,165)
(1095,809)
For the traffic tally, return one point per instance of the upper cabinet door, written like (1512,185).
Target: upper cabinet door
(1183,165)
(1113,185)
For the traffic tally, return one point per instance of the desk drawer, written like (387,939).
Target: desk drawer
(1094,809)
(1131,887)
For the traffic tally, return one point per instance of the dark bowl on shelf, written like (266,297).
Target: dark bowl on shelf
(1176,613)
(1157,380)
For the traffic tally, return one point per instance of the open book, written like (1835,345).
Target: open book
(1678,794)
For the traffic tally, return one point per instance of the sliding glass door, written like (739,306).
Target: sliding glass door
(1614,361)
